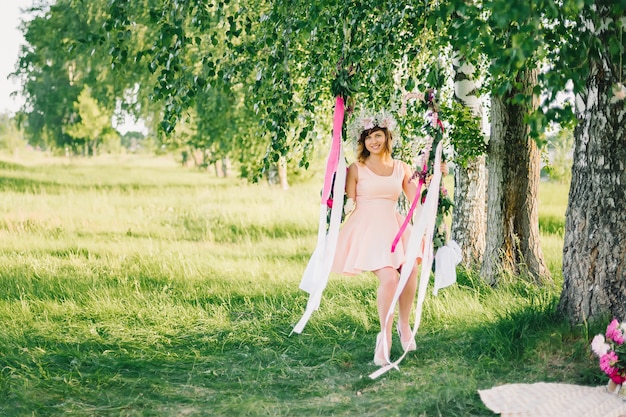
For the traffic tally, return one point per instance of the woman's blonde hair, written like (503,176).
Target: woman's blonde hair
(361,151)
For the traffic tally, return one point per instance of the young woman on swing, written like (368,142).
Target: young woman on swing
(373,185)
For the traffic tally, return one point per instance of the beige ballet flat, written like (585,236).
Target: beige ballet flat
(408,346)
(377,360)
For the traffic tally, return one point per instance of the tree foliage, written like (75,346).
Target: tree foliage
(276,63)
(91,124)
(285,58)
(466,132)
(61,58)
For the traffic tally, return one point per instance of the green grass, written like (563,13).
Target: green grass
(133,287)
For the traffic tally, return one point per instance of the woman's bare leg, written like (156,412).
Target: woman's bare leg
(405,305)
(388,278)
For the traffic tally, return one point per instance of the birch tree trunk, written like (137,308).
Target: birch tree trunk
(469,218)
(594,251)
(282,173)
(513,167)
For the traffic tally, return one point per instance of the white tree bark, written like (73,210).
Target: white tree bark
(282,173)
(469,218)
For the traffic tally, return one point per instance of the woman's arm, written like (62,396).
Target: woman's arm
(351,179)
(409,184)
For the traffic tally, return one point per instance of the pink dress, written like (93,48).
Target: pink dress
(365,239)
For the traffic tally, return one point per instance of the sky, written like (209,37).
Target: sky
(12,39)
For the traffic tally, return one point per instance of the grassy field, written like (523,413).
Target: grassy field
(134,287)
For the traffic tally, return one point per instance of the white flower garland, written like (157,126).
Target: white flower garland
(367,119)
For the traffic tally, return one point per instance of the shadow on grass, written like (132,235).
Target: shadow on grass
(36,186)
(190,373)
(12,166)
(248,364)
(527,331)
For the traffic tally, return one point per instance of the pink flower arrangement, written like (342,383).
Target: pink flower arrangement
(611,351)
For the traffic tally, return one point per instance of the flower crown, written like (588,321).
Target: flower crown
(367,119)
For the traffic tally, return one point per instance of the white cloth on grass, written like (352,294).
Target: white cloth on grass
(544,399)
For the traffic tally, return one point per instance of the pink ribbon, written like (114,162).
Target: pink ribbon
(440,123)
(409,216)
(333,156)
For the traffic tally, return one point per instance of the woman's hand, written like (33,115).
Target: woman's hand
(444,172)
(444,168)
(349,207)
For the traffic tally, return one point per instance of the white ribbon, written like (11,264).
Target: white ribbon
(315,277)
